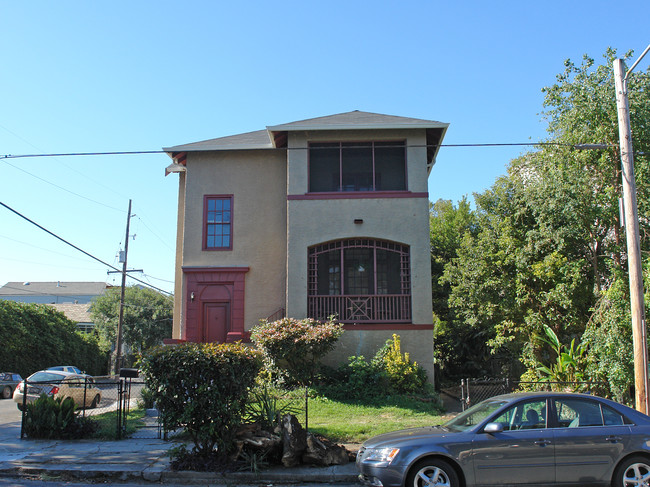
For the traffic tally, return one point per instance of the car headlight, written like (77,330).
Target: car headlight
(382,455)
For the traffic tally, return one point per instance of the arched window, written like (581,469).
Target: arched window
(360,280)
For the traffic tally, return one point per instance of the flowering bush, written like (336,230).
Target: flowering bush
(296,345)
(203,388)
(403,375)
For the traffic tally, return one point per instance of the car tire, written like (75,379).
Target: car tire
(96,400)
(630,470)
(6,392)
(430,472)
(19,406)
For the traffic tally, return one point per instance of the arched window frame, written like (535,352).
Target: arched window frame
(350,303)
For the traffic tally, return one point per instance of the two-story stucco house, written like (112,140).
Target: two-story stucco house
(311,218)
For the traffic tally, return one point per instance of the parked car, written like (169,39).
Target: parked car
(8,382)
(515,439)
(66,368)
(61,384)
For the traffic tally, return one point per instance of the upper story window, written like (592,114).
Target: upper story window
(357,166)
(217,223)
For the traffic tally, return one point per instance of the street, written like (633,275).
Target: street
(25,482)
(10,419)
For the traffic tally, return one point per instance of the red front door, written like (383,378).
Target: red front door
(216,322)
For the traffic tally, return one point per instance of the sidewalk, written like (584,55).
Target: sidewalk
(138,460)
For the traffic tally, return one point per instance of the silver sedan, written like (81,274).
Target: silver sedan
(533,439)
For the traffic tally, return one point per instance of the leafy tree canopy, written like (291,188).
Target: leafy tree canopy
(548,246)
(147,317)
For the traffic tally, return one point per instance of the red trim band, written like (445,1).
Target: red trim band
(357,195)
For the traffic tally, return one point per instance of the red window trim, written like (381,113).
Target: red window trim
(360,195)
(205,221)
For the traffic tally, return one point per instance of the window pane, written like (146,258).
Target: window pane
(390,166)
(611,417)
(329,273)
(217,223)
(359,275)
(578,413)
(388,272)
(357,166)
(324,167)
(529,415)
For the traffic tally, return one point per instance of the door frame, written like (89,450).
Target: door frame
(213,284)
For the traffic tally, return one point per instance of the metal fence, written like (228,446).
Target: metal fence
(109,398)
(473,391)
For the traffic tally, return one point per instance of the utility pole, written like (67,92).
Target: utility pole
(633,240)
(118,351)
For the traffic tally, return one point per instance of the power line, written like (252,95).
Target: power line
(79,249)
(118,153)
(70,154)
(62,188)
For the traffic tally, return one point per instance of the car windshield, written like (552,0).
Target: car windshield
(474,415)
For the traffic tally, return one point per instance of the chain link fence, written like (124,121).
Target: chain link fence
(472,391)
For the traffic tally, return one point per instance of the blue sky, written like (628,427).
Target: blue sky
(81,76)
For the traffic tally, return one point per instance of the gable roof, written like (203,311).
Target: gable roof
(357,120)
(58,288)
(79,313)
(276,136)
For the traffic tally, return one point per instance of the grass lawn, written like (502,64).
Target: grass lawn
(354,422)
(107,429)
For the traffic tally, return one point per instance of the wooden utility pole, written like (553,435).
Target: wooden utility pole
(633,244)
(118,346)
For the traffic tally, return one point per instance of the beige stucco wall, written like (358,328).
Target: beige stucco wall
(257,181)
(404,220)
(178,273)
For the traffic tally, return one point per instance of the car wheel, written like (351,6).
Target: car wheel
(95,402)
(6,392)
(430,472)
(19,406)
(634,471)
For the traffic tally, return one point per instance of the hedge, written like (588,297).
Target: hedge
(35,336)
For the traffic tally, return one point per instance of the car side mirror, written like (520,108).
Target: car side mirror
(492,428)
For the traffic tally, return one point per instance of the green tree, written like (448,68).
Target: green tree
(459,350)
(548,244)
(147,317)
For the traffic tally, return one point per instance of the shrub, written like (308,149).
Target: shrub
(202,388)
(403,375)
(267,404)
(296,346)
(50,418)
(389,372)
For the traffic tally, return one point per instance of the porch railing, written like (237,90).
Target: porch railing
(384,308)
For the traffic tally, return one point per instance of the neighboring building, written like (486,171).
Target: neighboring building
(79,313)
(312,218)
(52,292)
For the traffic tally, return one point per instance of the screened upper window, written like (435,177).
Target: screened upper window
(217,226)
(357,166)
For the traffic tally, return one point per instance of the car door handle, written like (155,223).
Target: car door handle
(614,439)
(543,442)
